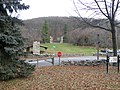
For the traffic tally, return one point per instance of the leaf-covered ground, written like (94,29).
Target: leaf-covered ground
(67,78)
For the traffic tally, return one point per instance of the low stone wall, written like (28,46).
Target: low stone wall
(70,55)
(84,63)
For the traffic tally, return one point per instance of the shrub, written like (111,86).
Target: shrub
(16,69)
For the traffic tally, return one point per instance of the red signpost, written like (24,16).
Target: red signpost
(59,55)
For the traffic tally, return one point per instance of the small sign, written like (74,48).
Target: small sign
(113,59)
(59,54)
(54,46)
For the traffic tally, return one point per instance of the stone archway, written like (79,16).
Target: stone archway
(52,39)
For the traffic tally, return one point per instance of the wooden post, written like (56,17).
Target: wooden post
(37,62)
(118,63)
(59,61)
(107,63)
(53,61)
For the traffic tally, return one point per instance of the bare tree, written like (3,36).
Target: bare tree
(104,9)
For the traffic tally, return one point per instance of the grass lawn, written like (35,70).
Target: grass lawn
(67,78)
(70,49)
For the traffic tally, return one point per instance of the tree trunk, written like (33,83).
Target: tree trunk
(114,40)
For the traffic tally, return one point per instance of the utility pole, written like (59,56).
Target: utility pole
(98,41)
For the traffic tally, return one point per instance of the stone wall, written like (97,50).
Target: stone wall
(84,63)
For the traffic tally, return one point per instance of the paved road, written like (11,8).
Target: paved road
(56,60)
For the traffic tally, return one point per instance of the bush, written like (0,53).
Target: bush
(16,69)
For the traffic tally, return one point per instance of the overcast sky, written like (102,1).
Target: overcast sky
(44,8)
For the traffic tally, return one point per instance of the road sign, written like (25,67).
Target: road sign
(113,59)
(59,54)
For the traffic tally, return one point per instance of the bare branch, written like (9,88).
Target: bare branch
(106,8)
(85,5)
(113,2)
(96,26)
(100,9)
(117,6)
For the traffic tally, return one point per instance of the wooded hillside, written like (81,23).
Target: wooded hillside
(77,32)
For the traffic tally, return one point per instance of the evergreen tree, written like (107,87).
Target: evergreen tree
(65,33)
(45,33)
(11,42)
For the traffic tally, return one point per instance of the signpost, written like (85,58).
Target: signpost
(114,59)
(59,55)
(98,42)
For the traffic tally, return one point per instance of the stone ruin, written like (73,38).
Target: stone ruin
(52,40)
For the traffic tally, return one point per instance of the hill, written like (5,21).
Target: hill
(78,32)
(55,25)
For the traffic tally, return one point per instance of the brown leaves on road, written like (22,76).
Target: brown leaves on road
(67,78)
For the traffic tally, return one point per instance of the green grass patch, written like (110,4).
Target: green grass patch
(70,49)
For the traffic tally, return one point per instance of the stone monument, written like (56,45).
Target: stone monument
(36,47)
(61,39)
(51,39)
